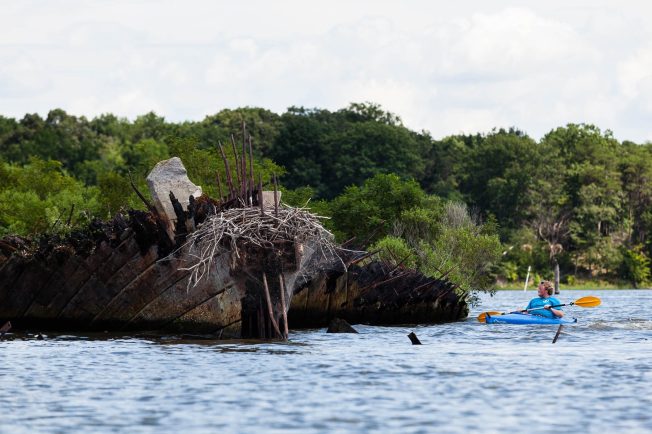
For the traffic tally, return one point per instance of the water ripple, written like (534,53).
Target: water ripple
(466,377)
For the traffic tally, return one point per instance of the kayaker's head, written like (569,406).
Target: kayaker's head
(545,289)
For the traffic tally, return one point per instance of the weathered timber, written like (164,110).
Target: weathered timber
(414,339)
(130,274)
(375,293)
(5,328)
(124,283)
(338,325)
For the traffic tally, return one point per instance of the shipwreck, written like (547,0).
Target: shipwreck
(188,264)
(235,267)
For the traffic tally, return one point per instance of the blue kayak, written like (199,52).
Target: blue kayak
(524,318)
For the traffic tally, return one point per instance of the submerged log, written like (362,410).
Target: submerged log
(376,294)
(338,325)
(414,339)
(5,328)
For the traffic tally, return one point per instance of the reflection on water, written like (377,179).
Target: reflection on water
(465,377)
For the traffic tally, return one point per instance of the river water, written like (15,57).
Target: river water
(466,377)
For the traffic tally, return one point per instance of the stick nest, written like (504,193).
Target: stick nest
(238,228)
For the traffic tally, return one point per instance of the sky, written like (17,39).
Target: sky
(443,67)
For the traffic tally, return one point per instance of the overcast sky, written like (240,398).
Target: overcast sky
(442,66)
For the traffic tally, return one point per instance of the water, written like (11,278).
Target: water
(466,377)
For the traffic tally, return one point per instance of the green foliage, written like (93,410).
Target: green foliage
(635,265)
(40,196)
(204,165)
(139,157)
(422,223)
(522,250)
(262,125)
(443,170)
(116,194)
(331,151)
(577,196)
(368,212)
(298,197)
(508,270)
(460,251)
(443,237)
(395,251)
(500,171)
(636,173)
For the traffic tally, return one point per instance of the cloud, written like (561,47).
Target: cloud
(469,67)
(509,43)
(635,75)
(22,75)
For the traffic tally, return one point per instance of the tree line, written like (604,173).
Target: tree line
(476,207)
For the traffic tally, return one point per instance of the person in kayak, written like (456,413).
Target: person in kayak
(545,301)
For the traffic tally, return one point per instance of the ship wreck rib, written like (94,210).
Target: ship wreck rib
(373,292)
(192,265)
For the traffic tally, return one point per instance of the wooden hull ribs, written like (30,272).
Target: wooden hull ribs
(189,264)
(131,280)
(231,268)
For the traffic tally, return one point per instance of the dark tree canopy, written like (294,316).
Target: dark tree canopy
(577,195)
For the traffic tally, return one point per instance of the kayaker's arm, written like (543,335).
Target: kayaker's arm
(556,312)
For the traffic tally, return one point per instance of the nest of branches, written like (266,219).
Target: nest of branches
(236,229)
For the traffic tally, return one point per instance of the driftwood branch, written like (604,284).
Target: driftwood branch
(237,160)
(219,188)
(252,180)
(145,201)
(229,179)
(269,307)
(244,161)
(72,209)
(281,283)
(275,197)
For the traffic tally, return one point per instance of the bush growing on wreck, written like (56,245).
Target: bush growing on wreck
(395,251)
(443,236)
(449,241)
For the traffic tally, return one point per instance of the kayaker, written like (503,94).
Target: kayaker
(545,301)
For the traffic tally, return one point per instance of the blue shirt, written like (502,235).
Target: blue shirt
(540,302)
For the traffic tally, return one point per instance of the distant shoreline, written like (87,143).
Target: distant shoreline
(574,288)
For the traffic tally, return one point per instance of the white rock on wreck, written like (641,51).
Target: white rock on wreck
(171,176)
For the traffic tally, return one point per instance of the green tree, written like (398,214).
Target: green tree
(395,251)
(636,177)
(369,212)
(301,149)
(330,151)
(39,196)
(443,169)
(445,240)
(261,124)
(460,249)
(500,172)
(593,195)
(635,266)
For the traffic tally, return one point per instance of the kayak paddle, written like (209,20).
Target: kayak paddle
(589,301)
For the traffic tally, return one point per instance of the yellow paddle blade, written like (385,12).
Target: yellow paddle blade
(483,316)
(589,301)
